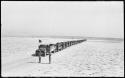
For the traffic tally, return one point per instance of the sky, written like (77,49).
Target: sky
(43,18)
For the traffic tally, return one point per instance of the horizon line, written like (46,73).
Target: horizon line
(89,37)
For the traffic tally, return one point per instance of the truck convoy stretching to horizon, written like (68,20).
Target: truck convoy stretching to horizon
(46,49)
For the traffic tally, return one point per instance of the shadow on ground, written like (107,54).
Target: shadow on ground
(38,62)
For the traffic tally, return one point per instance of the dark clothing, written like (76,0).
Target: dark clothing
(40,54)
(39,59)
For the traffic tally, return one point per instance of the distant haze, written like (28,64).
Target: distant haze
(43,18)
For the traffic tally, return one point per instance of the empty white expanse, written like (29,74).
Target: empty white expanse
(43,18)
(90,58)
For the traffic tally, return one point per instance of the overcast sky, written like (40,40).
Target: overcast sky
(95,19)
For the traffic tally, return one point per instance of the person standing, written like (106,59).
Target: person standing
(40,52)
(39,56)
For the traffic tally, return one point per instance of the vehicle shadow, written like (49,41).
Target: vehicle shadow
(38,63)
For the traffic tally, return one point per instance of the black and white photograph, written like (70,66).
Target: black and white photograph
(62,39)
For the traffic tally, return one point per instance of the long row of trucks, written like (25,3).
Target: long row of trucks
(46,49)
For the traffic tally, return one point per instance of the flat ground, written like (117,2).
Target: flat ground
(90,58)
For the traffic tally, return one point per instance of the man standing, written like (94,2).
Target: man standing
(39,56)
(40,53)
